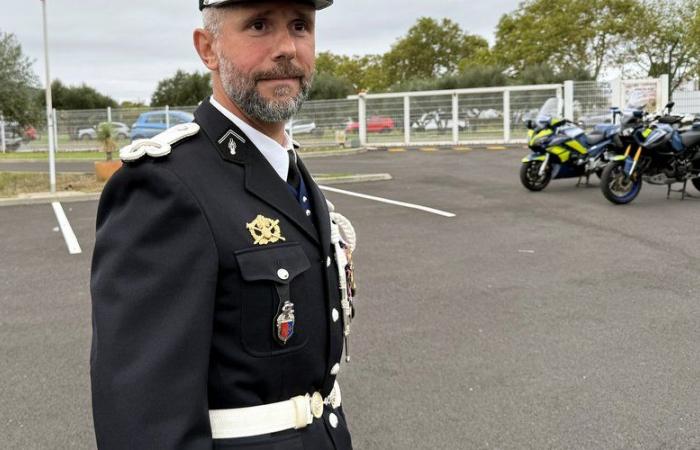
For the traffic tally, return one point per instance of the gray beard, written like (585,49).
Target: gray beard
(241,89)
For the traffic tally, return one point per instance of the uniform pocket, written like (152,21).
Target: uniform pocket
(268,274)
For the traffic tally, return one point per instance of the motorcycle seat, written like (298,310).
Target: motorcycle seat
(690,138)
(595,138)
(603,128)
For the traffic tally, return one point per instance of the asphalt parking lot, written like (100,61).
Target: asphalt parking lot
(550,320)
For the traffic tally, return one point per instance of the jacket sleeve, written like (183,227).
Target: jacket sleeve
(153,285)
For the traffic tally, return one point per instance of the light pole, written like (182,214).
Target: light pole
(49,106)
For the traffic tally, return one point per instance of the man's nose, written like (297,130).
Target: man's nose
(285,48)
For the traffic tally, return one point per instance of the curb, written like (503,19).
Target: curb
(354,178)
(354,151)
(305,154)
(71,197)
(39,199)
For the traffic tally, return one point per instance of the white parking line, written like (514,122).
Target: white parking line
(391,202)
(68,235)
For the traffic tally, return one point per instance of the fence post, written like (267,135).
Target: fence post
(362,117)
(506,116)
(109,114)
(616,87)
(55,130)
(664,86)
(407,120)
(569,100)
(2,134)
(167,117)
(455,118)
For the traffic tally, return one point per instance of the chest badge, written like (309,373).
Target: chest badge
(265,231)
(284,322)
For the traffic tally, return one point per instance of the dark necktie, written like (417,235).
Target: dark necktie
(293,175)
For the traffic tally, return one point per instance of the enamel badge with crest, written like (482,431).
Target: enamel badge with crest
(285,322)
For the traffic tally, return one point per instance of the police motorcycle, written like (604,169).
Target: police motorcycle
(562,149)
(666,151)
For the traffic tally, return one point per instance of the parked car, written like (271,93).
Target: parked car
(151,123)
(375,124)
(30,133)
(302,126)
(437,121)
(13,139)
(121,130)
(16,134)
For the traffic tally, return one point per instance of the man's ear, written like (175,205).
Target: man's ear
(204,44)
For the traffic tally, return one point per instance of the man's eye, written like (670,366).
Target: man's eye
(300,26)
(258,26)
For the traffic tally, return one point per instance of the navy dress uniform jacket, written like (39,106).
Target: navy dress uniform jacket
(184,301)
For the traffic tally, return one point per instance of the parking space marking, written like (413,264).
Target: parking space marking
(68,234)
(462,149)
(396,150)
(497,147)
(390,202)
(428,149)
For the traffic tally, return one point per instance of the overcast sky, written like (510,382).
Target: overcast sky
(123,48)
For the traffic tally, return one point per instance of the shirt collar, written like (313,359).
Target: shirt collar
(273,152)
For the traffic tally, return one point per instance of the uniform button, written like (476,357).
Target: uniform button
(335,369)
(328,261)
(335,314)
(283,274)
(304,199)
(308,212)
(333,419)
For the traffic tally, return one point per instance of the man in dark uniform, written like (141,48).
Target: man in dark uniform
(218,321)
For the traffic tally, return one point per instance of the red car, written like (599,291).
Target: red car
(30,133)
(375,124)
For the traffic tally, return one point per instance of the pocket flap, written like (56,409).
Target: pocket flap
(279,263)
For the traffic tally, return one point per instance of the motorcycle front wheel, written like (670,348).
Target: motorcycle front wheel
(530,176)
(696,183)
(617,187)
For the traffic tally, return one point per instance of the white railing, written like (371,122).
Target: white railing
(494,115)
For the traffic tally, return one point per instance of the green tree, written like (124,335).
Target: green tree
(666,40)
(131,104)
(18,83)
(182,89)
(431,49)
(364,73)
(567,35)
(328,86)
(76,97)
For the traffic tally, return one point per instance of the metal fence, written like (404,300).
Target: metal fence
(451,117)
(687,102)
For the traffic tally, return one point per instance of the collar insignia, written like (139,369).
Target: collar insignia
(232,146)
(265,231)
(231,133)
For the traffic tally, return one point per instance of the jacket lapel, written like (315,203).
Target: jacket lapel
(320,208)
(261,180)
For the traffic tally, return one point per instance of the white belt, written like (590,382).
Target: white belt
(295,413)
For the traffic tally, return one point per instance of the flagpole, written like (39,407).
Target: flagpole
(49,106)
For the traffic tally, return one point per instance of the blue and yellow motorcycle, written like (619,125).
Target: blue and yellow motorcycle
(562,149)
(667,152)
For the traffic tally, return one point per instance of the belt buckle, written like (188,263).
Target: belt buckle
(317,405)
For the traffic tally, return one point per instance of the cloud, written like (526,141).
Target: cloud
(124,48)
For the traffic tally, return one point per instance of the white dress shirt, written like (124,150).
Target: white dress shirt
(273,152)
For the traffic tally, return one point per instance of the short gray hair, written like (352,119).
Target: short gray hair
(212,19)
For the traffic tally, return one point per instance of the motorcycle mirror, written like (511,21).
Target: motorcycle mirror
(670,106)
(530,125)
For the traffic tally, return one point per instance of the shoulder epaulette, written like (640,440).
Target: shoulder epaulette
(159,145)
